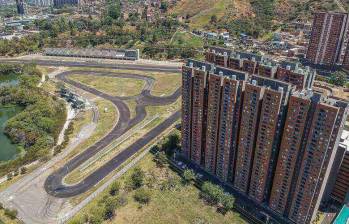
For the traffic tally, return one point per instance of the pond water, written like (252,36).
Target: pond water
(8,80)
(8,150)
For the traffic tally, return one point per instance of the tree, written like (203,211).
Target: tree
(137,178)
(212,193)
(114,10)
(338,78)
(142,196)
(24,170)
(11,213)
(171,143)
(228,202)
(213,19)
(164,6)
(114,188)
(189,176)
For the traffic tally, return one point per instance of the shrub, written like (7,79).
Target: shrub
(338,78)
(189,176)
(122,200)
(228,202)
(171,183)
(160,159)
(110,206)
(142,196)
(214,194)
(11,213)
(24,170)
(137,178)
(1,206)
(114,188)
(9,176)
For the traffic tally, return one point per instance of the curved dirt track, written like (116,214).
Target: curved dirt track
(54,183)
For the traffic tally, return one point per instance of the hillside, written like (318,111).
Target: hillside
(251,16)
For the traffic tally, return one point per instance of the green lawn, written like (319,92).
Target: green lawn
(200,11)
(165,83)
(6,220)
(110,85)
(186,39)
(180,205)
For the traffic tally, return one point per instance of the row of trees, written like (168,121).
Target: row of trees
(111,30)
(211,193)
(37,127)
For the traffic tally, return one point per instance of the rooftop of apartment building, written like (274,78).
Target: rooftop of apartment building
(264,60)
(308,92)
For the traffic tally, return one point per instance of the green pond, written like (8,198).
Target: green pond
(8,80)
(8,150)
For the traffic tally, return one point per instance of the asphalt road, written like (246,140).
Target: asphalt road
(54,183)
(91,64)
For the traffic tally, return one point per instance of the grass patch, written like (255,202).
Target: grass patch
(181,205)
(132,107)
(110,85)
(186,39)
(46,70)
(6,220)
(165,83)
(200,15)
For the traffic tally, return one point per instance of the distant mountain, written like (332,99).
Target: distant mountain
(263,15)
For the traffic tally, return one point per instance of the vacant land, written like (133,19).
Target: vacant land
(186,39)
(181,204)
(110,85)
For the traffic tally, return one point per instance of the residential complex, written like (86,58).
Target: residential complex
(260,127)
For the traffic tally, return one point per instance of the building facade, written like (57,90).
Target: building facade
(61,3)
(272,139)
(328,38)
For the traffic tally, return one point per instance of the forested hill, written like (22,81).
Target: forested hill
(252,16)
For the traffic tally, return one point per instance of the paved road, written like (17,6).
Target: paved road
(54,183)
(91,64)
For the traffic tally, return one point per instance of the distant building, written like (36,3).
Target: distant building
(327,41)
(43,3)
(122,54)
(20,7)
(60,3)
